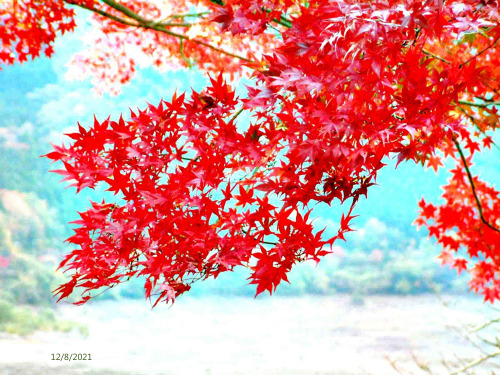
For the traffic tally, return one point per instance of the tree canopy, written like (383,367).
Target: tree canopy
(211,180)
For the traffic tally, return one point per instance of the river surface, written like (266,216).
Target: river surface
(277,335)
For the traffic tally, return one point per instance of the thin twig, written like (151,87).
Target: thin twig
(235,116)
(181,51)
(484,325)
(283,21)
(479,105)
(491,88)
(435,56)
(475,363)
(480,53)
(188,15)
(263,242)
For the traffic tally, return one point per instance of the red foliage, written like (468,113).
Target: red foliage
(457,225)
(29,27)
(339,86)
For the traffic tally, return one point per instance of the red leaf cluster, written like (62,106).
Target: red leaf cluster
(339,86)
(29,27)
(189,178)
(457,225)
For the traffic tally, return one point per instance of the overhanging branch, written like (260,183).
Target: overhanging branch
(153,25)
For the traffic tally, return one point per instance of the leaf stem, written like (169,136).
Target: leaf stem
(263,242)
(181,51)
(235,116)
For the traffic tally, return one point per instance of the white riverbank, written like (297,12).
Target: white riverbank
(219,336)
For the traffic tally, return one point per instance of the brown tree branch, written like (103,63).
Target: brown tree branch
(471,181)
(103,13)
(153,25)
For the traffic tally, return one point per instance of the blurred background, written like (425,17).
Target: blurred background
(380,304)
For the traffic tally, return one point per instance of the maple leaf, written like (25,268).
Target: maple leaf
(434,162)
(460,265)
(245,197)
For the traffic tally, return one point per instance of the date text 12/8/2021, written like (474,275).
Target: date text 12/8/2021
(71,357)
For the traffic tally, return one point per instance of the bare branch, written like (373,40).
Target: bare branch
(484,325)
(475,363)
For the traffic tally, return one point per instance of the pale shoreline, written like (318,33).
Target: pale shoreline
(277,335)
